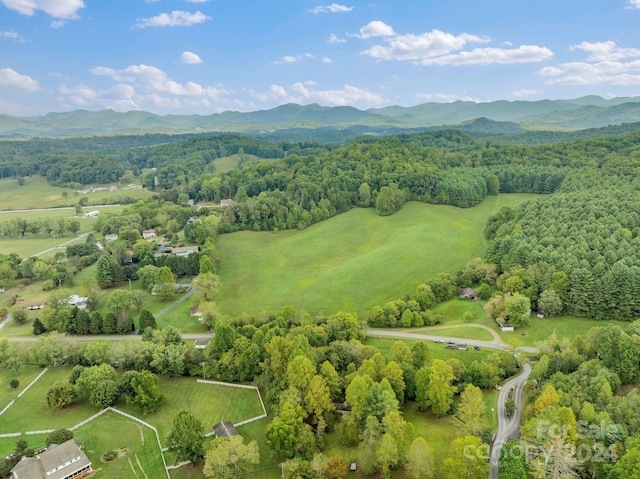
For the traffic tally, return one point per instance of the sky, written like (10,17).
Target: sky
(207,56)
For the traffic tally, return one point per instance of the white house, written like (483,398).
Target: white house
(111,237)
(59,461)
(91,214)
(149,234)
(79,302)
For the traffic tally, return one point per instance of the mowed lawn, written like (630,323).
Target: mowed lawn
(37,193)
(353,261)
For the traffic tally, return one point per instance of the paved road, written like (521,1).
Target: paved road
(386,333)
(508,428)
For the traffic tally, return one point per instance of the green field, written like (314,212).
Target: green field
(353,261)
(37,193)
(231,162)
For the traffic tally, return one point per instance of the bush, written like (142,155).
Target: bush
(14,383)
(58,437)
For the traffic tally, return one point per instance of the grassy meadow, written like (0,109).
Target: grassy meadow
(353,261)
(37,193)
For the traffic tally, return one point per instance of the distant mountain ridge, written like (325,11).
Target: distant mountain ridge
(579,113)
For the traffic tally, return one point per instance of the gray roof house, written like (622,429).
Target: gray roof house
(225,429)
(59,461)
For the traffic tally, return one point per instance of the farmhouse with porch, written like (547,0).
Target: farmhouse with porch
(59,461)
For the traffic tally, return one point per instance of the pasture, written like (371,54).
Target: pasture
(352,261)
(36,192)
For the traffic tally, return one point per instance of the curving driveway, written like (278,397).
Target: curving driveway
(508,428)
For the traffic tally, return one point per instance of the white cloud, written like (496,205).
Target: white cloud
(293,58)
(177,18)
(303,93)
(605,51)
(444,97)
(190,58)
(196,1)
(421,47)
(54,8)
(12,35)
(634,4)
(487,56)
(327,60)
(441,48)
(333,38)
(521,93)
(375,28)
(333,8)
(154,80)
(9,78)
(56,24)
(603,65)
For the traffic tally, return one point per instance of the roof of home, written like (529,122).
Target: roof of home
(225,429)
(57,462)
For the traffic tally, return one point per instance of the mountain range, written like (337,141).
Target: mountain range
(515,116)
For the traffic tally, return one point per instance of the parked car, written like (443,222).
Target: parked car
(450,346)
(476,347)
(461,343)
(462,348)
(438,340)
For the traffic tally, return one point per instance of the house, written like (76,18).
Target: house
(79,302)
(32,305)
(149,234)
(111,237)
(506,328)
(225,429)
(225,203)
(193,220)
(185,250)
(59,461)
(91,214)
(468,293)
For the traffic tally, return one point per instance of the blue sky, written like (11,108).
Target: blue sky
(198,56)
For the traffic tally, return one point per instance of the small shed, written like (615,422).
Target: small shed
(507,328)
(353,466)
(468,293)
(225,429)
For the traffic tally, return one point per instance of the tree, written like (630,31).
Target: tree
(420,460)
(513,461)
(208,284)
(467,458)
(110,323)
(61,395)
(38,327)
(14,384)
(186,438)
(471,410)
(163,275)
(206,265)
(139,299)
(146,320)
(19,313)
(440,390)
(517,305)
(550,303)
(99,382)
(107,271)
(318,402)
(230,458)
(96,352)
(387,454)
(493,185)
(58,437)
(147,396)
(556,460)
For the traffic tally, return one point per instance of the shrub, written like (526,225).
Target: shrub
(14,383)
(58,437)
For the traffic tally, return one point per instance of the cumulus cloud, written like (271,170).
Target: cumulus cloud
(304,92)
(606,63)
(293,58)
(142,87)
(190,58)
(634,4)
(522,93)
(333,8)
(442,48)
(9,78)
(54,8)
(333,38)
(445,97)
(12,36)
(327,60)
(177,18)
(375,28)
(56,24)
(154,80)
(486,56)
